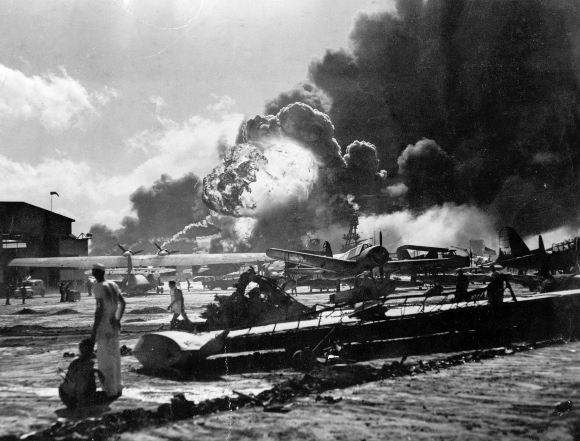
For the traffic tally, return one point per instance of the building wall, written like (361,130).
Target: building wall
(44,233)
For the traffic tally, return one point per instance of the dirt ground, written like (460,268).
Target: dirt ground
(508,397)
(511,395)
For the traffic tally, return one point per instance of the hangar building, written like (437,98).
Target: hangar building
(30,231)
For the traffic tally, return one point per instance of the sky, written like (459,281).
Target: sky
(98,99)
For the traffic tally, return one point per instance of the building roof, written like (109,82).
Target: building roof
(52,213)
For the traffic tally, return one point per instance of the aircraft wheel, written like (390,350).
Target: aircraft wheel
(303,360)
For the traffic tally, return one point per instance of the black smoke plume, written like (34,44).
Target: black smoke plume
(494,83)
(161,211)
(305,93)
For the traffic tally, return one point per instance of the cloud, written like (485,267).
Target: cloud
(77,185)
(179,148)
(57,101)
(158,101)
(224,104)
(173,149)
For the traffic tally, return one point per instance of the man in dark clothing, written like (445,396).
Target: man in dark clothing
(496,288)
(62,289)
(23,293)
(461,285)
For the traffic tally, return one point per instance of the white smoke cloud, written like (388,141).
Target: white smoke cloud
(57,101)
(551,237)
(182,232)
(445,226)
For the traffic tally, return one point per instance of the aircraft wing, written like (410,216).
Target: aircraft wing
(423,248)
(529,261)
(324,262)
(137,271)
(86,262)
(417,264)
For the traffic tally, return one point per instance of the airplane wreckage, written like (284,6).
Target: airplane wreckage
(383,322)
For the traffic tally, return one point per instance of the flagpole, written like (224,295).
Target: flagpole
(51,194)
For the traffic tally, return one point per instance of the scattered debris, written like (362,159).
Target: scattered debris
(125,350)
(65,311)
(136,320)
(328,399)
(563,407)
(27,311)
(149,310)
(69,355)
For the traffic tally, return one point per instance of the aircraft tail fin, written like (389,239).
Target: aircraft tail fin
(326,249)
(511,244)
(403,254)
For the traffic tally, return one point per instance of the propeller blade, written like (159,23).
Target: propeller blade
(381,238)
(121,247)
(137,252)
(158,247)
(173,252)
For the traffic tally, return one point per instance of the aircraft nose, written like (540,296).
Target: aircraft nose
(380,255)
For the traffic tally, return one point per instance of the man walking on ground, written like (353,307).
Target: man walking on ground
(176,306)
(9,293)
(106,329)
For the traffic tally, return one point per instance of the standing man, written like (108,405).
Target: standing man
(176,306)
(9,292)
(106,329)
(90,286)
(188,284)
(62,289)
(461,285)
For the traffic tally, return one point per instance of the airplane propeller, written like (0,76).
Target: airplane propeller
(129,251)
(164,250)
(381,270)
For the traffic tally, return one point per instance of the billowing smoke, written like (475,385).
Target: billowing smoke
(162,211)
(252,183)
(290,177)
(444,226)
(427,172)
(303,93)
(494,84)
(471,107)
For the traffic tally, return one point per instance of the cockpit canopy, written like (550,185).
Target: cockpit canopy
(357,250)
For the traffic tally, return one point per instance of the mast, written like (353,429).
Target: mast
(351,239)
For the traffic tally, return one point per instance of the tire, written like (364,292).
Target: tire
(303,360)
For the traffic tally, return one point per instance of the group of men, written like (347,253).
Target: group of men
(79,387)
(495,289)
